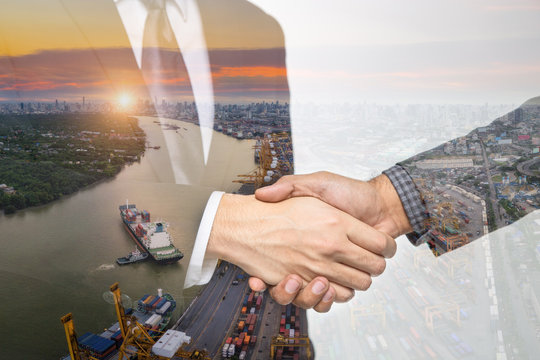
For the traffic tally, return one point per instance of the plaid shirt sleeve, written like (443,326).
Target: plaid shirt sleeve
(412,201)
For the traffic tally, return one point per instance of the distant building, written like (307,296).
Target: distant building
(7,189)
(504,141)
(445,163)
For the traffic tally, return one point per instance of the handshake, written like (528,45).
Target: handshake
(312,239)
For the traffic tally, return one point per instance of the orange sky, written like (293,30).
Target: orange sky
(52,49)
(28,26)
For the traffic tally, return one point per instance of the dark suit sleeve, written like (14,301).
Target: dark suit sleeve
(469,186)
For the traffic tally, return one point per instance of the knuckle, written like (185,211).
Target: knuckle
(327,247)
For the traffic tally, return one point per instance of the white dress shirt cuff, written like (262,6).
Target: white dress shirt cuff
(202,267)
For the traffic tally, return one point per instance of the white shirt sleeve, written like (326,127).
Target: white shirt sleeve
(202,267)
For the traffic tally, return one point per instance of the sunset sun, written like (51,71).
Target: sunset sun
(124,100)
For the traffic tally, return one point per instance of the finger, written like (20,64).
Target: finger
(326,303)
(361,259)
(370,239)
(343,294)
(279,191)
(346,276)
(287,289)
(256,284)
(312,294)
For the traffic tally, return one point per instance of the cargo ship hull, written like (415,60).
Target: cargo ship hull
(167,261)
(167,254)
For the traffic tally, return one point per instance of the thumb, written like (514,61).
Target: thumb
(256,284)
(279,191)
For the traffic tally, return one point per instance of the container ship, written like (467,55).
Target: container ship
(151,237)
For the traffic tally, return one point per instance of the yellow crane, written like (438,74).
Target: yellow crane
(75,351)
(136,344)
(436,311)
(373,310)
(280,341)
(137,341)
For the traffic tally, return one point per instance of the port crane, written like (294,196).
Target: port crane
(376,310)
(280,341)
(268,149)
(436,311)
(136,344)
(137,341)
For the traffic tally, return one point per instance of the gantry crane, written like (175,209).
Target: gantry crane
(376,310)
(435,311)
(137,341)
(75,351)
(280,341)
(136,344)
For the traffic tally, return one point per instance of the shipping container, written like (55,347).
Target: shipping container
(253,339)
(244,309)
(246,339)
(231,350)
(241,325)
(225,349)
(250,329)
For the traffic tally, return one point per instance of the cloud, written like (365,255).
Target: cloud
(102,73)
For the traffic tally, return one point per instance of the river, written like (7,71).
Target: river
(60,257)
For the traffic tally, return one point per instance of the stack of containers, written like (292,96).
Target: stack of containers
(152,304)
(153,322)
(147,301)
(98,346)
(130,215)
(145,216)
(164,308)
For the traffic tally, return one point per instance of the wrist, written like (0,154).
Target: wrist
(391,206)
(225,241)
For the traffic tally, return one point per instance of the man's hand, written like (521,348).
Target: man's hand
(302,236)
(375,202)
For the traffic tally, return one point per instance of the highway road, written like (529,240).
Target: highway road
(212,313)
(493,193)
(525,167)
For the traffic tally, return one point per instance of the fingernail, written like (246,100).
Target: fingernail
(292,286)
(328,296)
(318,288)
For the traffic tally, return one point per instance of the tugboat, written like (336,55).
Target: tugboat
(132,257)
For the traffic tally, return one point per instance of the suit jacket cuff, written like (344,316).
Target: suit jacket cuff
(201,267)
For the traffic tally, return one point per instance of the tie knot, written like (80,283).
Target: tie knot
(154,4)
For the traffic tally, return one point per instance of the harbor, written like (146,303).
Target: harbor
(61,257)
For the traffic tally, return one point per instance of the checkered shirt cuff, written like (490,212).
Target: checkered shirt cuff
(412,202)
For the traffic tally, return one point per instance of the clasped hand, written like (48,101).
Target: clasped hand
(304,237)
